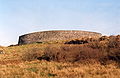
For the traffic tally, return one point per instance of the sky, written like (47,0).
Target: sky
(18,17)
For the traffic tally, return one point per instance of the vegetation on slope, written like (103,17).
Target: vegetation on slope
(96,58)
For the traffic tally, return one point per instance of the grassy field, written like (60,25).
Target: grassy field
(90,60)
(44,69)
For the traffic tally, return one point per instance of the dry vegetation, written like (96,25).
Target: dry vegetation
(86,58)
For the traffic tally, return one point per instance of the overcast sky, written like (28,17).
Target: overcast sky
(18,17)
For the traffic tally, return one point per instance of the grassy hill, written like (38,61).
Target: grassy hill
(85,58)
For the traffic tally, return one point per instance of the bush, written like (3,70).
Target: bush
(31,54)
(77,42)
(103,50)
(72,53)
(112,42)
(114,55)
(81,41)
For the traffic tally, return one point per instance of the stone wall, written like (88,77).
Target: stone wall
(46,36)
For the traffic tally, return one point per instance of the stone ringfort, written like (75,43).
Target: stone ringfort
(56,35)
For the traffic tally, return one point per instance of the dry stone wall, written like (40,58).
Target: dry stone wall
(46,36)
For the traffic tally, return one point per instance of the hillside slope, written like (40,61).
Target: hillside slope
(96,58)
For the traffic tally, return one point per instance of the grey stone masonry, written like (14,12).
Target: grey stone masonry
(56,35)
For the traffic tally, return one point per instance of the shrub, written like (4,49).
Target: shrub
(72,53)
(103,38)
(31,54)
(81,41)
(114,55)
(99,50)
(112,42)
(77,42)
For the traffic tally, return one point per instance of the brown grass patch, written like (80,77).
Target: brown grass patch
(71,53)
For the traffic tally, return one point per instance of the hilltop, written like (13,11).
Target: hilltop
(84,57)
